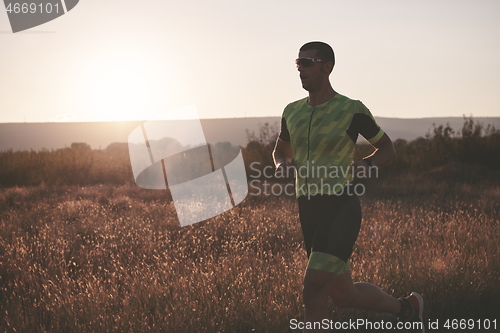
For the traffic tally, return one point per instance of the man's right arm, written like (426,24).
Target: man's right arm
(282,156)
(282,153)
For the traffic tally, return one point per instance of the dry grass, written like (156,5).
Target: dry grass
(113,259)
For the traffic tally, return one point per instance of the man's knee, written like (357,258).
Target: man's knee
(344,298)
(344,293)
(317,286)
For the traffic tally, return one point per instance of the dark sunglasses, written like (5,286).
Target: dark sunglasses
(306,62)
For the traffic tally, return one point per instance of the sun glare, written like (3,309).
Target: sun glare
(118,88)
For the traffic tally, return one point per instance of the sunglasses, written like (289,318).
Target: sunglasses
(306,62)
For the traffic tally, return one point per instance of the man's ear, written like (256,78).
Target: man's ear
(327,67)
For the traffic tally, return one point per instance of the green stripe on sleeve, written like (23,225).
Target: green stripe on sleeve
(376,137)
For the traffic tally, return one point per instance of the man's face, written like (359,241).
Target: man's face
(313,75)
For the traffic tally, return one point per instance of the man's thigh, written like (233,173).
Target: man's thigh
(323,284)
(330,223)
(319,282)
(338,228)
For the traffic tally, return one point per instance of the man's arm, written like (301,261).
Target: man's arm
(383,154)
(282,156)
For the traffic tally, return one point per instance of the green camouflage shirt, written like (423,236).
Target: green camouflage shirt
(323,139)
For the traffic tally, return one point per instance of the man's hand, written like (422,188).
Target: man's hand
(282,156)
(384,153)
(361,169)
(282,169)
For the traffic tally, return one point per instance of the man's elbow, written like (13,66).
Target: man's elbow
(388,152)
(393,152)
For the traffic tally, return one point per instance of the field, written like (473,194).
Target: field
(114,259)
(83,249)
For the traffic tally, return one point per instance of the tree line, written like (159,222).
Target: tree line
(474,144)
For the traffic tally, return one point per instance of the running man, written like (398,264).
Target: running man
(319,133)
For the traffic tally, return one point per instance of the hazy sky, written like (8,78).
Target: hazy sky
(123,59)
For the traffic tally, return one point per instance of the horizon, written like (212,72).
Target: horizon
(140,120)
(98,134)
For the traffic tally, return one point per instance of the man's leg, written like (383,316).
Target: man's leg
(317,286)
(369,297)
(362,295)
(336,221)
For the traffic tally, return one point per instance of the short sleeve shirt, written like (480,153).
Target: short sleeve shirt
(323,139)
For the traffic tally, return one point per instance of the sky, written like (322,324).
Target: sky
(131,60)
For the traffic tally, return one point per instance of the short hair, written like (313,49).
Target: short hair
(323,50)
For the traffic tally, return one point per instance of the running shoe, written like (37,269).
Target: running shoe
(416,302)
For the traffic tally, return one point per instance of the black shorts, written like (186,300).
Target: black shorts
(330,225)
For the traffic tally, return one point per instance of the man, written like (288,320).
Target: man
(319,134)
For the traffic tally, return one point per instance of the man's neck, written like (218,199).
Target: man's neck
(322,96)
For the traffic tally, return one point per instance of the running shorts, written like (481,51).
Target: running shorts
(330,225)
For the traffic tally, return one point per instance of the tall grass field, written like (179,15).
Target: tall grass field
(114,259)
(84,249)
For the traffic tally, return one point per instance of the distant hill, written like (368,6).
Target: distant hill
(25,136)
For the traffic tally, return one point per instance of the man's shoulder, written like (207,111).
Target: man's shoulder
(345,99)
(298,103)
(295,106)
(349,103)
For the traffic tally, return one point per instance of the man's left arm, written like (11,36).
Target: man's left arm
(383,154)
